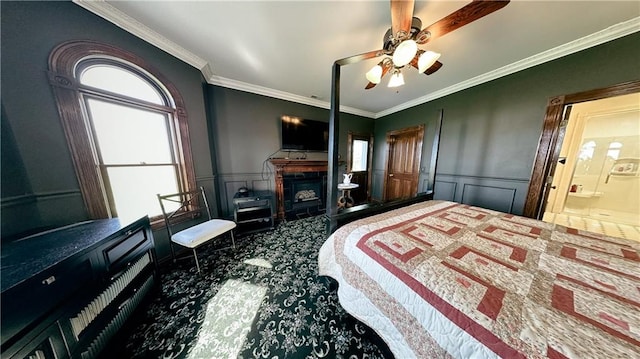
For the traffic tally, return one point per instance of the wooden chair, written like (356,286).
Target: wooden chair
(182,207)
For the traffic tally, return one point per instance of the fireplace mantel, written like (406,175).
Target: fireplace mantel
(283,166)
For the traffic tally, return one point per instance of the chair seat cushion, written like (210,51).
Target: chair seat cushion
(201,233)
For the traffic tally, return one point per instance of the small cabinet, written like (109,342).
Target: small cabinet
(253,212)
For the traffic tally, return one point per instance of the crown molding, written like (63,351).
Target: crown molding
(265,91)
(597,38)
(129,24)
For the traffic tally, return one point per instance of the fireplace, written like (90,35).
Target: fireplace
(304,193)
(300,186)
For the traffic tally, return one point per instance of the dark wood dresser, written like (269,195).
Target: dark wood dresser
(66,292)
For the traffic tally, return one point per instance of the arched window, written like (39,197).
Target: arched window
(126,128)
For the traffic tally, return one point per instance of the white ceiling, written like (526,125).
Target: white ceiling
(286,49)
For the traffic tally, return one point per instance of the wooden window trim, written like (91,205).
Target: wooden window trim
(66,88)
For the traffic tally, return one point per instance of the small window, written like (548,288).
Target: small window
(126,127)
(359,155)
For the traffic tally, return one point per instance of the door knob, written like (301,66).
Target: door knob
(390,174)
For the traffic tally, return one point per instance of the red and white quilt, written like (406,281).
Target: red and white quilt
(440,279)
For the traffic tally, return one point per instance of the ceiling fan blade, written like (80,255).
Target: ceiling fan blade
(386,66)
(435,67)
(465,15)
(370,85)
(357,58)
(401,16)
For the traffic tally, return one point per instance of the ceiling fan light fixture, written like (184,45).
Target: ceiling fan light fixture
(396,79)
(426,60)
(375,74)
(405,52)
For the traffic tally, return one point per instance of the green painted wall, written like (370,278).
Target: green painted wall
(246,132)
(492,130)
(44,192)
(247,128)
(231,136)
(489,131)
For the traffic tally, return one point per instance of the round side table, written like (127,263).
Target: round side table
(345,200)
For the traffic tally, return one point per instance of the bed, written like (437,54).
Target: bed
(440,279)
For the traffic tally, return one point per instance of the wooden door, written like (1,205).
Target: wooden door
(403,163)
(548,185)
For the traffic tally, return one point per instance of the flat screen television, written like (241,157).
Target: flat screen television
(300,134)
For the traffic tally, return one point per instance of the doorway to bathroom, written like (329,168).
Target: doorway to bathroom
(596,182)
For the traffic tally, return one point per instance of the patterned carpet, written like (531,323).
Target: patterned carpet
(263,300)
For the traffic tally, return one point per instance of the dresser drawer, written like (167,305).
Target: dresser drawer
(118,253)
(41,294)
(252,204)
(47,345)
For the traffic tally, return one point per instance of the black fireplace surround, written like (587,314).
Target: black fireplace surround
(304,193)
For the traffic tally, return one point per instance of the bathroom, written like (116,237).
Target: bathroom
(596,183)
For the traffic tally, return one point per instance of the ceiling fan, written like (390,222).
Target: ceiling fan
(400,42)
